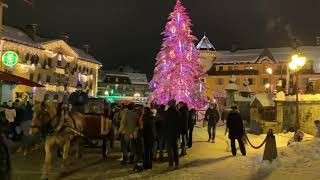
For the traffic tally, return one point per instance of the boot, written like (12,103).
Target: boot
(209,139)
(213,141)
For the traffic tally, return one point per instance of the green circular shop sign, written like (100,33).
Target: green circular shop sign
(10,58)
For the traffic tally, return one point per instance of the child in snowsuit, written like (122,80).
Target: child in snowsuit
(298,137)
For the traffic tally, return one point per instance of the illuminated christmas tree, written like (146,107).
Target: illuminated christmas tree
(178,73)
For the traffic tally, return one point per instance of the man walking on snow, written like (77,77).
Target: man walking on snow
(212,116)
(236,130)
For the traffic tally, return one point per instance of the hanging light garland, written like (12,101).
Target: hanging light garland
(50,54)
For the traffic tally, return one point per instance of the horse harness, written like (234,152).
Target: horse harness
(62,123)
(47,128)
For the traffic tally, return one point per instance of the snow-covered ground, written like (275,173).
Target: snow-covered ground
(210,161)
(214,161)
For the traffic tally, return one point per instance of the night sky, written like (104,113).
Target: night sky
(128,31)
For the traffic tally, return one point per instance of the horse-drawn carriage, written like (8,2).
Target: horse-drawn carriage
(68,127)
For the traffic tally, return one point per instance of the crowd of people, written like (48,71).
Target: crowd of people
(147,132)
(15,118)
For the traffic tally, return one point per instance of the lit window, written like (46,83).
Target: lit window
(220,81)
(252,81)
(265,81)
(220,68)
(230,68)
(236,67)
(237,81)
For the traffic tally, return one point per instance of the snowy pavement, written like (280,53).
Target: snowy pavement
(203,161)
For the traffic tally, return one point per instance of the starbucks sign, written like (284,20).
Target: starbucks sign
(10,58)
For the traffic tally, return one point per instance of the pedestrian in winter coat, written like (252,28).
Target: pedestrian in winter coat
(149,135)
(129,130)
(191,122)
(236,130)
(172,133)
(160,131)
(212,116)
(184,115)
(10,114)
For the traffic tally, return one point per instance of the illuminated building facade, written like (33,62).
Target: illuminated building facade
(123,84)
(50,62)
(253,65)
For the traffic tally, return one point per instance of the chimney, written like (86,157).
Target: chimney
(65,38)
(86,47)
(235,46)
(318,40)
(294,44)
(31,30)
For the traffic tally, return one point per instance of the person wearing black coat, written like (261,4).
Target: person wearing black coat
(160,142)
(191,122)
(212,116)
(236,130)
(149,136)
(184,116)
(172,133)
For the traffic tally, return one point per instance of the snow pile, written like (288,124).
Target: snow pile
(292,161)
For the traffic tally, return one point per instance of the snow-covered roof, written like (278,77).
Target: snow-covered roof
(137,78)
(266,100)
(205,44)
(239,98)
(85,56)
(240,56)
(19,36)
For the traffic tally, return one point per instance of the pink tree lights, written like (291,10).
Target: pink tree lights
(178,72)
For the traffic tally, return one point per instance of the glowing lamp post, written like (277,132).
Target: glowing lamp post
(296,64)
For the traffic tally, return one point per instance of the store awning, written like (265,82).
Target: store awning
(12,79)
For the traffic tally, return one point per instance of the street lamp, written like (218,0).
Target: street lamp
(267,85)
(296,64)
(269,71)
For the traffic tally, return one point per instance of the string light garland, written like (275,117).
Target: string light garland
(37,61)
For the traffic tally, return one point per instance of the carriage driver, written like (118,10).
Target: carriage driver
(78,99)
